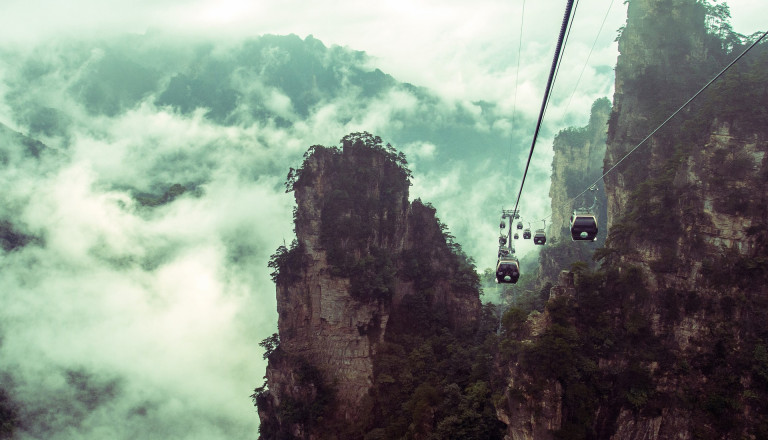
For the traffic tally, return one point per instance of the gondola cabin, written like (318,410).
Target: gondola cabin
(539,237)
(519,225)
(583,227)
(516,236)
(527,233)
(507,270)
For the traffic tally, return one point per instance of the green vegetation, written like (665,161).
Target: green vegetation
(731,268)
(288,263)
(602,351)
(310,401)
(432,381)
(437,256)
(270,344)
(602,322)
(661,87)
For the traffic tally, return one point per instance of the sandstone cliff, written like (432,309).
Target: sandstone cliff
(364,258)
(667,339)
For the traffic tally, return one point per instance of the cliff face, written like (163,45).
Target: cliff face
(667,339)
(576,164)
(697,188)
(347,273)
(689,212)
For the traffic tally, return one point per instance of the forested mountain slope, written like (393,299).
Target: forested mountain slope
(666,339)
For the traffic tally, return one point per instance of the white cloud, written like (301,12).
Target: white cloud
(173,299)
(421,151)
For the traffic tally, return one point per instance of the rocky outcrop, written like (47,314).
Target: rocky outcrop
(533,407)
(344,278)
(667,340)
(576,164)
(318,319)
(697,188)
(532,414)
(688,209)
(662,60)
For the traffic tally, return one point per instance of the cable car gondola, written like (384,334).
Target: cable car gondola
(516,236)
(502,240)
(519,225)
(527,233)
(507,270)
(539,237)
(583,227)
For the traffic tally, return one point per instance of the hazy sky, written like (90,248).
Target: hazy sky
(460,48)
(124,322)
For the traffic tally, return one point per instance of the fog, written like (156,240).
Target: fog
(132,311)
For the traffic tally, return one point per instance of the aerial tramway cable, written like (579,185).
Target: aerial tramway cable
(555,63)
(715,78)
(562,53)
(594,43)
(517,77)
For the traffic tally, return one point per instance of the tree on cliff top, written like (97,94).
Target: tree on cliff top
(366,194)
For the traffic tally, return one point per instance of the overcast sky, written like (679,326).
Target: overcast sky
(159,313)
(460,48)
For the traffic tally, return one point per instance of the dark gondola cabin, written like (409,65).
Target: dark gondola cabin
(507,270)
(519,225)
(516,236)
(583,227)
(527,234)
(539,237)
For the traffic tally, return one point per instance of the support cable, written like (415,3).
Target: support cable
(594,43)
(517,77)
(550,80)
(565,43)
